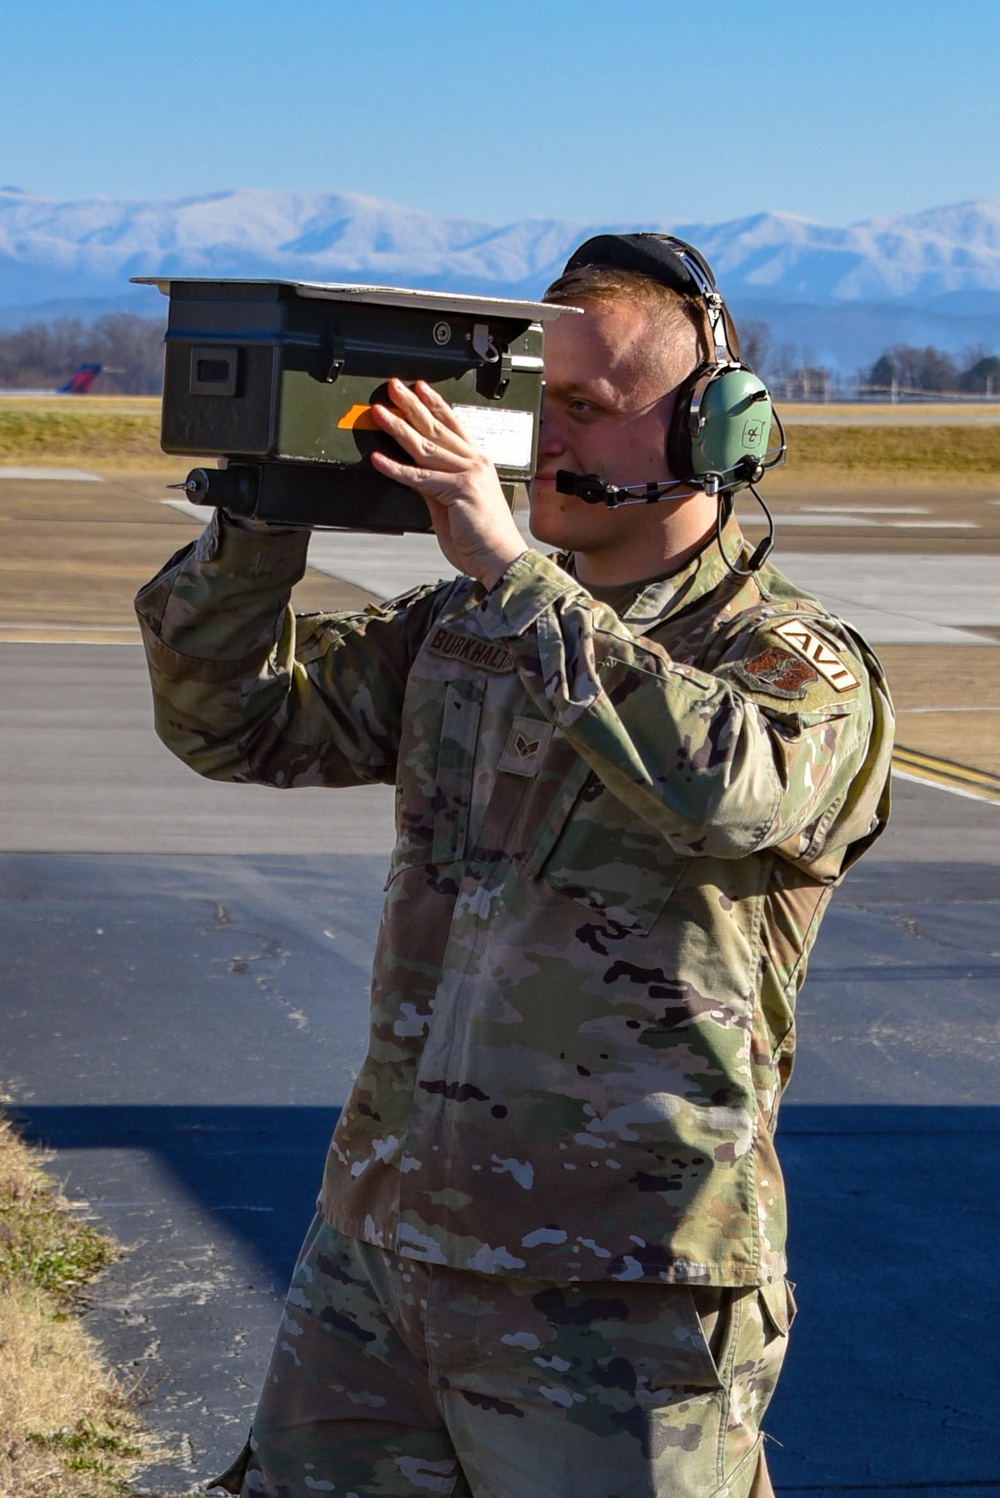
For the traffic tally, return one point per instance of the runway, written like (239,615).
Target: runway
(892,598)
(185,977)
(185,1005)
(914,606)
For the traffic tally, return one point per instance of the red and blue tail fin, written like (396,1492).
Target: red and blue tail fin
(80,380)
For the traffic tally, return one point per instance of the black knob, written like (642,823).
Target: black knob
(233,488)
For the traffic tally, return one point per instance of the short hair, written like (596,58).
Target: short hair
(669,310)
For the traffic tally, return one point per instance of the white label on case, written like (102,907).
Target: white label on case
(504,435)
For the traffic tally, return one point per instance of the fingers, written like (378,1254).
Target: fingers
(434,456)
(424,425)
(407,404)
(405,473)
(424,406)
(439,408)
(448,468)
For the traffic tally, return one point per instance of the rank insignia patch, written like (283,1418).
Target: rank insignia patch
(818,653)
(778,672)
(526,745)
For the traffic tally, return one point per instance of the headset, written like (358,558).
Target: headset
(720,429)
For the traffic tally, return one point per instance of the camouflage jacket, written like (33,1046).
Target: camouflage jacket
(616,838)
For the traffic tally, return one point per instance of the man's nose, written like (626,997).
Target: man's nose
(550,436)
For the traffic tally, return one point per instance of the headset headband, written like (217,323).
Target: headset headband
(671,261)
(721,420)
(659,256)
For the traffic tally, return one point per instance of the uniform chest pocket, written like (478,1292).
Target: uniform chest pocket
(455,768)
(597,852)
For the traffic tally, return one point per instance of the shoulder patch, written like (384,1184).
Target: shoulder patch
(818,653)
(777,672)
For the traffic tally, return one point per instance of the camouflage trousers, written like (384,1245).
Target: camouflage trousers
(392,1378)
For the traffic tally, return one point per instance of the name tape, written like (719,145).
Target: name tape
(485,655)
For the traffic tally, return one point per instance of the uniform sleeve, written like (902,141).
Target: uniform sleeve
(243,689)
(764,751)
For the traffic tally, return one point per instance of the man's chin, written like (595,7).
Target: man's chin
(547,513)
(551,530)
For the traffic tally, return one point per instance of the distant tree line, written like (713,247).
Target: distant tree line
(130,351)
(899,372)
(929,370)
(43,354)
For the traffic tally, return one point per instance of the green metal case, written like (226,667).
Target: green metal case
(279,378)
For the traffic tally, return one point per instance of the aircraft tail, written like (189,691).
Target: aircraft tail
(80,380)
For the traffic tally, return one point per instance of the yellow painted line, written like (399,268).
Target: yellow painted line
(962,780)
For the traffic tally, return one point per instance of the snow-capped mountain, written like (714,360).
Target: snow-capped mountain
(838,294)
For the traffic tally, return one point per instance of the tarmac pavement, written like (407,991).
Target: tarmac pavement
(186,971)
(892,598)
(182,1026)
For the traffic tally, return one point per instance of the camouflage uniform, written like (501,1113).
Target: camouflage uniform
(615,839)
(394,1377)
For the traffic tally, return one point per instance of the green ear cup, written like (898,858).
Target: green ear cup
(729,424)
(721,425)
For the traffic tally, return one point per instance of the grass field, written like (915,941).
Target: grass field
(121,432)
(68,1428)
(871,450)
(108,433)
(902,413)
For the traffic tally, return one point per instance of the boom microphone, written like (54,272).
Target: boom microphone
(594,490)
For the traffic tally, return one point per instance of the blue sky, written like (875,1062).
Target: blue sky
(627,110)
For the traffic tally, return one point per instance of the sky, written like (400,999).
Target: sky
(630,111)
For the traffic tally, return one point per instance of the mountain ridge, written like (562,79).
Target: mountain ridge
(937,268)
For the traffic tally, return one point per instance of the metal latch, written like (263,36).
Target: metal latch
(493,375)
(338,357)
(482,343)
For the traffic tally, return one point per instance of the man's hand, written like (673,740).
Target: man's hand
(471,518)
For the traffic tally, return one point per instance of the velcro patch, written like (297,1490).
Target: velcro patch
(778,672)
(484,655)
(526,745)
(818,653)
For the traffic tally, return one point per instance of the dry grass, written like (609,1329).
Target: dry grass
(885,413)
(66,1427)
(123,432)
(80,435)
(911,450)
